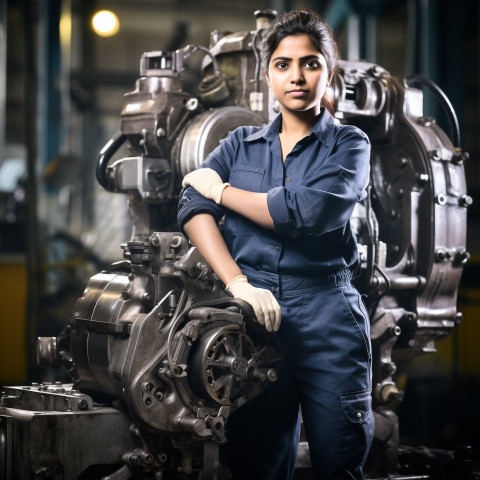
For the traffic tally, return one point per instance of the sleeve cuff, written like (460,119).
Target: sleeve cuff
(277,206)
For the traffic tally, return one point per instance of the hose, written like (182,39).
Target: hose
(105,155)
(417,79)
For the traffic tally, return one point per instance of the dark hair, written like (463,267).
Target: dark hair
(299,22)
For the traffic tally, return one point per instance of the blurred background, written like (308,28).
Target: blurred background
(61,94)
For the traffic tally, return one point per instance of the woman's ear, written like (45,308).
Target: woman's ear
(265,73)
(330,78)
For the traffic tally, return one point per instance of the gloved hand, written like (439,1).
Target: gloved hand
(265,305)
(206,182)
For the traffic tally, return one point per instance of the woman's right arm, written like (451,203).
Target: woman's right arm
(204,234)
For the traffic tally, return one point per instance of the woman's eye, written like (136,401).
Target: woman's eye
(281,65)
(311,64)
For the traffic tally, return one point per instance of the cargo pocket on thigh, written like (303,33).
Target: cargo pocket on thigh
(357,427)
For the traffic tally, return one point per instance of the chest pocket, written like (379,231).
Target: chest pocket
(247,177)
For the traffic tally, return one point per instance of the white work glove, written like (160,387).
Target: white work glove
(264,304)
(206,182)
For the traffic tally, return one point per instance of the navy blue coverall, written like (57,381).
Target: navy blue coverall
(306,262)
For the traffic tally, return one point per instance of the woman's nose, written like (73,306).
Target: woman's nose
(297,74)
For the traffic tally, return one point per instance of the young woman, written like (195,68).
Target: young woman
(287,191)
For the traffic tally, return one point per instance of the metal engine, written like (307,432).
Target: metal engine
(157,336)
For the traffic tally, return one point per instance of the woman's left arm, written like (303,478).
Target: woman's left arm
(251,205)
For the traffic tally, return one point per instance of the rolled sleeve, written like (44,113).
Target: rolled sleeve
(191,203)
(326,200)
(278,207)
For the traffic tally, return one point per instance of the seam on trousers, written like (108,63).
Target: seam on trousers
(361,333)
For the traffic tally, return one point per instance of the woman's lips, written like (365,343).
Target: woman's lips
(297,93)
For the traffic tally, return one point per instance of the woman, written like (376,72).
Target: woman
(287,191)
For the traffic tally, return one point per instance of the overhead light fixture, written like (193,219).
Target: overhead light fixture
(105,23)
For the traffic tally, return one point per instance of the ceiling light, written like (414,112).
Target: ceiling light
(105,23)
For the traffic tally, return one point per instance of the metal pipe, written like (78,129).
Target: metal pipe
(3,75)
(33,251)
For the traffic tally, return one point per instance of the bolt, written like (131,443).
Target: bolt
(422,178)
(459,157)
(441,255)
(388,368)
(148,386)
(402,163)
(411,317)
(176,242)
(272,375)
(162,457)
(125,295)
(465,200)
(135,459)
(462,257)
(192,104)
(82,404)
(441,199)
(155,240)
(161,132)
(394,330)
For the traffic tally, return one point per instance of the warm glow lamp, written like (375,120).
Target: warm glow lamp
(105,23)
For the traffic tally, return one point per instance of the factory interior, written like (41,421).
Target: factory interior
(62,99)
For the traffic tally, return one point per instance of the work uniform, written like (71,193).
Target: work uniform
(306,262)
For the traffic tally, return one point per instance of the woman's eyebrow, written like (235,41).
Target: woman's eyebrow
(288,59)
(309,57)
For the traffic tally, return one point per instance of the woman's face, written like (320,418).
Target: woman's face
(298,74)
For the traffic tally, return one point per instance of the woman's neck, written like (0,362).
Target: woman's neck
(295,126)
(298,124)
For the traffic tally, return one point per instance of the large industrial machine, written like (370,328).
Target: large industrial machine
(160,353)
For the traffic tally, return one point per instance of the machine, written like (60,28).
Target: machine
(159,352)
